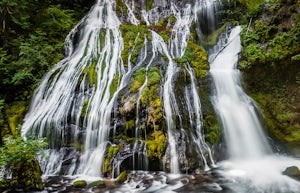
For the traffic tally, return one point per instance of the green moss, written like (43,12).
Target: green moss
(196,56)
(98,183)
(130,124)
(133,37)
(111,152)
(210,40)
(150,92)
(122,177)
(114,85)
(153,76)
(149,4)
(212,130)
(138,80)
(15,114)
(84,108)
(79,184)
(155,145)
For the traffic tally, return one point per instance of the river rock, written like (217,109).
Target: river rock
(98,184)
(79,184)
(293,172)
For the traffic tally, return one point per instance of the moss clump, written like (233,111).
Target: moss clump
(196,56)
(150,92)
(155,145)
(122,177)
(210,40)
(114,85)
(90,70)
(212,130)
(15,113)
(138,80)
(149,4)
(133,37)
(99,184)
(84,108)
(79,184)
(111,152)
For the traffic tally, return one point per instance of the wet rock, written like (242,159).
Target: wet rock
(79,184)
(122,177)
(97,184)
(293,172)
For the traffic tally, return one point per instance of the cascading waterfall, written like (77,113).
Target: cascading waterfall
(99,45)
(243,131)
(251,162)
(126,97)
(77,105)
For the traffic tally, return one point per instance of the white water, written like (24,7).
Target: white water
(195,114)
(54,97)
(251,164)
(242,128)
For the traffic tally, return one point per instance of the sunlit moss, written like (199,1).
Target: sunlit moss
(111,152)
(196,56)
(155,145)
(138,79)
(15,114)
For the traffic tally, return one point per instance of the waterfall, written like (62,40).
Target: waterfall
(242,128)
(85,103)
(68,88)
(252,164)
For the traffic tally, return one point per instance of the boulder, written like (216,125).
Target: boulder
(79,184)
(293,172)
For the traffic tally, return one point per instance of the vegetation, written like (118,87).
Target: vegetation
(18,158)
(269,62)
(31,41)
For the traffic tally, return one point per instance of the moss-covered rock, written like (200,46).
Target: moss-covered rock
(196,56)
(270,69)
(107,165)
(98,184)
(155,145)
(122,177)
(293,172)
(79,184)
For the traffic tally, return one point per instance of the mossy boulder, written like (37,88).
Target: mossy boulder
(79,184)
(293,172)
(122,177)
(98,184)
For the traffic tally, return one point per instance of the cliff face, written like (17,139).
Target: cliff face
(270,64)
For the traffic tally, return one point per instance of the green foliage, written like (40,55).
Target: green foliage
(18,156)
(16,151)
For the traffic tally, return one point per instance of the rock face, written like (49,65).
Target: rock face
(270,66)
